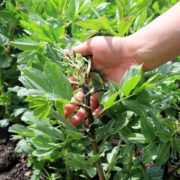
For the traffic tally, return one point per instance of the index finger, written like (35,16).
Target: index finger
(84,49)
(70,108)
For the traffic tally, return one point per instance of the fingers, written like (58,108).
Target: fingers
(70,108)
(97,111)
(94,101)
(81,116)
(78,117)
(84,49)
(95,114)
(72,79)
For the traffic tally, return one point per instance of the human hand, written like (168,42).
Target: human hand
(79,114)
(109,56)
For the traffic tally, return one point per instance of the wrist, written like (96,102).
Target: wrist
(138,49)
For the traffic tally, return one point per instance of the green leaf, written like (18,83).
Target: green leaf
(97,81)
(124,25)
(10,7)
(156,173)
(73,135)
(102,6)
(26,56)
(56,175)
(108,101)
(41,105)
(59,83)
(19,111)
(28,117)
(34,79)
(60,103)
(44,127)
(144,98)
(23,146)
(130,80)
(139,22)
(42,142)
(42,154)
(146,85)
(51,8)
(119,122)
(3,40)
(136,107)
(112,156)
(51,80)
(36,174)
(147,128)
(21,130)
(175,145)
(163,153)
(72,5)
(150,153)
(5,61)
(91,171)
(164,135)
(89,24)
(4,122)
(137,138)
(24,44)
(88,35)
(77,162)
(97,24)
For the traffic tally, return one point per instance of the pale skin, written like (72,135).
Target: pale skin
(151,46)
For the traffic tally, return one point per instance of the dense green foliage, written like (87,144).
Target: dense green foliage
(140,135)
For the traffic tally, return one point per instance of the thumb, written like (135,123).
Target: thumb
(84,49)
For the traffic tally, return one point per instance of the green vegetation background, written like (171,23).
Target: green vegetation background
(32,37)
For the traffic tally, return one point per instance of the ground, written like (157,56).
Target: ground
(13,166)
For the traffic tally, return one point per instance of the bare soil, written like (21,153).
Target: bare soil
(13,166)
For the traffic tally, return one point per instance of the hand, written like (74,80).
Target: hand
(80,115)
(110,57)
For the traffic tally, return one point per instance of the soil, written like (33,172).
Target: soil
(13,166)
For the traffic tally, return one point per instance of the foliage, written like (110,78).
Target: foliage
(137,134)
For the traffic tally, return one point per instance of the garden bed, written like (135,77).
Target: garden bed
(13,166)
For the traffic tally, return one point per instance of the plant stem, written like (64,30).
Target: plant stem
(92,133)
